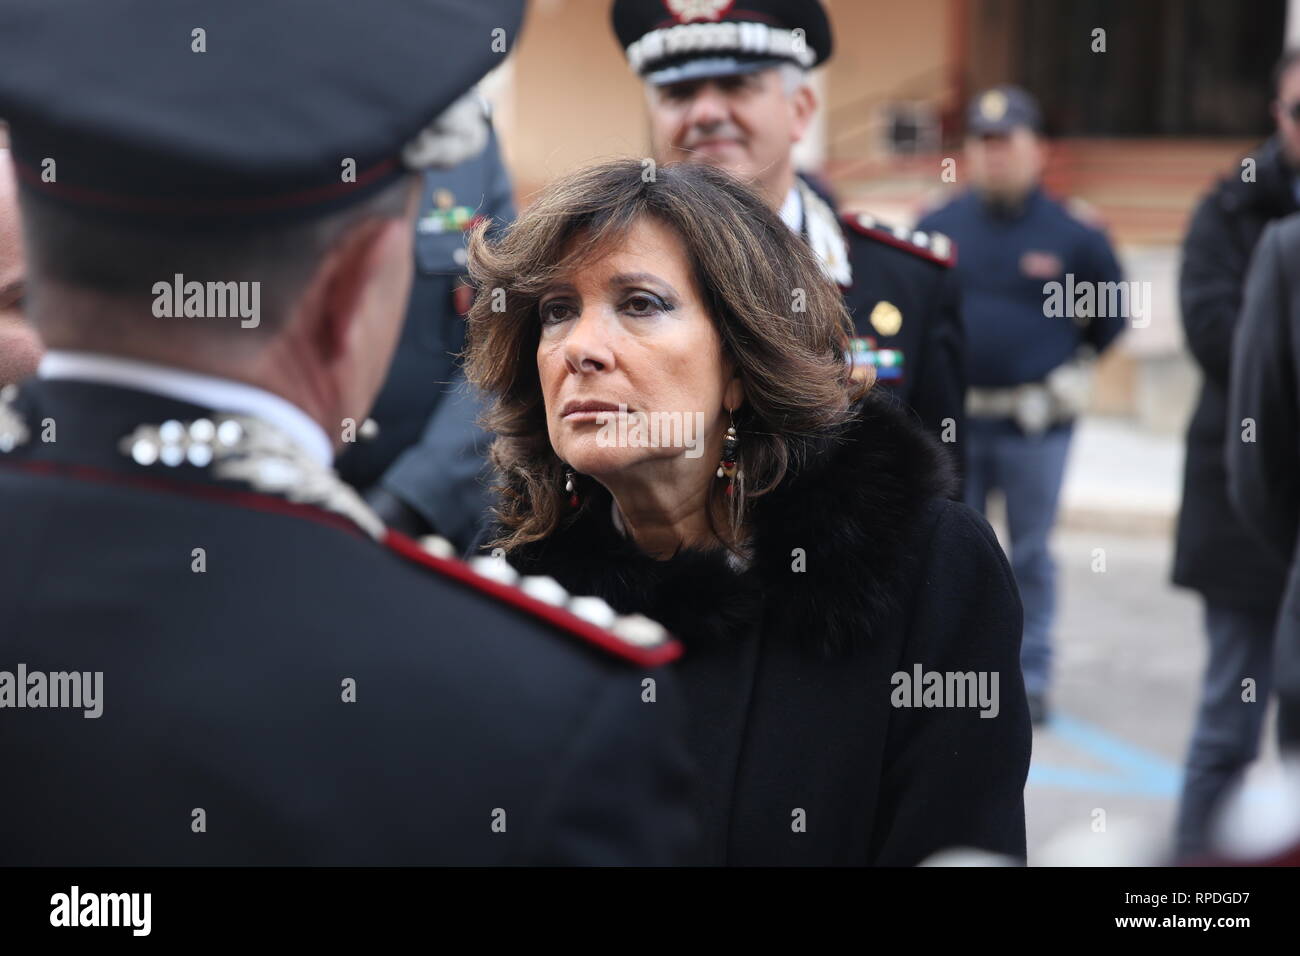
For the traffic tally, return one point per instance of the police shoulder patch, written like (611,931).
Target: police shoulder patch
(932,246)
(631,637)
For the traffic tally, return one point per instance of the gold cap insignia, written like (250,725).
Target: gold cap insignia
(993,105)
(886,319)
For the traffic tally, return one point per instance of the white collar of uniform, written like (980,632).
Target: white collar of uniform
(824,234)
(792,210)
(208,391)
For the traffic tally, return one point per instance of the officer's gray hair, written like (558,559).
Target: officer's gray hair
(793,76)
(112,269)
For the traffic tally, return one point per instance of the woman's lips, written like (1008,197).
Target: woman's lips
(590,410)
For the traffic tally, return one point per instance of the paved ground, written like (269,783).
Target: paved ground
(1129,655)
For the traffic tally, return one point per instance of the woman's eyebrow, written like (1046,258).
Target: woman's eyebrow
(638,278)
(556,288)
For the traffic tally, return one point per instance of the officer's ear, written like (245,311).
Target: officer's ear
(803,104)
(363,283)
(345,283)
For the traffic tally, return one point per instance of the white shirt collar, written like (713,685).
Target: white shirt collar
(209,391)
(792,210)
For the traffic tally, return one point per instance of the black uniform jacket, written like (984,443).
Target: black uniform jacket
(812,746)
(905,297)
(1215,553)
(480,731)
(1264,471)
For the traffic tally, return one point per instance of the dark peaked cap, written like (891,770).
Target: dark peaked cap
(142,128)
(668,41)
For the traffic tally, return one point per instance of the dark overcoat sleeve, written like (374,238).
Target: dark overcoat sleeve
(623,789)
(951,777)
(1264,467)
(1209,288)
(939,391)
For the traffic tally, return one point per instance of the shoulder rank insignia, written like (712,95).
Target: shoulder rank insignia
(933,246)
(632,637)
(13,430)
(252,452)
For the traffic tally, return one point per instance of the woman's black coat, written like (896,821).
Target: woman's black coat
(862,569)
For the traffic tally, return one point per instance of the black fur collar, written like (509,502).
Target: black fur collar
(851,509)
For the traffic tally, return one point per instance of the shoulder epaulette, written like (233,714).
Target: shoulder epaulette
(632,637)
(1080,210)
(932,246)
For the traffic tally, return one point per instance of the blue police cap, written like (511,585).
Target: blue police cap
(198,114)
(1001,109)
(668,41)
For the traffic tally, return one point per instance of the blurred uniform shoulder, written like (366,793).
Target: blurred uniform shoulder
(932,247)
(1084,216)
(1084,212)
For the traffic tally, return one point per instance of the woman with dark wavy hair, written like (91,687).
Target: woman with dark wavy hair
(679,433)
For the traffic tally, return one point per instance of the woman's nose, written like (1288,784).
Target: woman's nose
(587,346)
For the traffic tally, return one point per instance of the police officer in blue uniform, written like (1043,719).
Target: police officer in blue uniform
(420,458)
(727,85)
(1036,310)
(211,650)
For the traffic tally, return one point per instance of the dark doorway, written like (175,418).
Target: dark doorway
(1171,67)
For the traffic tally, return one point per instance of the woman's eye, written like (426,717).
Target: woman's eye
(643,304)
(555,312)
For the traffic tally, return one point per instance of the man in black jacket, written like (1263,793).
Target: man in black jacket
(211,651)
(1263,436)
(1240,580)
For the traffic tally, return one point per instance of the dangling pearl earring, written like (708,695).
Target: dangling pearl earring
(569,487)
(727,467)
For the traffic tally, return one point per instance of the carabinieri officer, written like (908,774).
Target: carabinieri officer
(285,681)
(728,85)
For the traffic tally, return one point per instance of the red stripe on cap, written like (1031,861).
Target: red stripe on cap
(664,653)
(94,197)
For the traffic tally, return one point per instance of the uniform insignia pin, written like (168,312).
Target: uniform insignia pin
(13,430)
(886,318)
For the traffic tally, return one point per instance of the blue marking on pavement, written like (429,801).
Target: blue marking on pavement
(1137,771)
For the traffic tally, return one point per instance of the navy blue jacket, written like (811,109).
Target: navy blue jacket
(429,451)
(917,288)
(1003,266)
